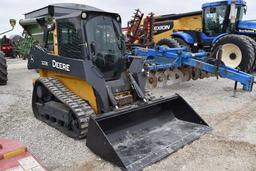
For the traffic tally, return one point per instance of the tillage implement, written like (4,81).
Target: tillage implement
(167,66)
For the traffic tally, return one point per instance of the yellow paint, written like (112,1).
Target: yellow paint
(55,39)
(80,87)
(14,153)
(76,85)
(183,23)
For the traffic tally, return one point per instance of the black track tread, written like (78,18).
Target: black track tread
(248,62)
(78,106)
(170,42)
(3,70)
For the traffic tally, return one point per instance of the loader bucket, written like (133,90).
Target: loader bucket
(140,136)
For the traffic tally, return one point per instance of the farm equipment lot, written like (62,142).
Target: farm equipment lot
(230,146)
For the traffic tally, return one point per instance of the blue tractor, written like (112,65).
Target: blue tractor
(223,27)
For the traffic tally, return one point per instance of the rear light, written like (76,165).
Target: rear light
(3,48)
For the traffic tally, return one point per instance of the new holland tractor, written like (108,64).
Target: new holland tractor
(223,26)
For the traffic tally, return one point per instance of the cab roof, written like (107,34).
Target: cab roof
(60,9)
(225,2)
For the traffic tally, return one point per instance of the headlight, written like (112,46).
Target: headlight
(118,18)
(83,15)
(49,26)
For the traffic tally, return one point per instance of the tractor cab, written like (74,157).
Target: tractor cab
(224,28)
(222,17)
(218,19)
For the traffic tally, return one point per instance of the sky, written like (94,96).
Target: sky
(17,8)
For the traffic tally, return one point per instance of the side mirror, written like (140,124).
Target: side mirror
(12,22)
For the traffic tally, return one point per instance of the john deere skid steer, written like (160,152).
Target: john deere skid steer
(87,88)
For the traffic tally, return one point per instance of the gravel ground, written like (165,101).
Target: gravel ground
(230,146)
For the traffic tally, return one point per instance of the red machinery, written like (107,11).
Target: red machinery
(14,156)
(6,47)
(138,33)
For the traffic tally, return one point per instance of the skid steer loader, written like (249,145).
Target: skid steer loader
(86,88)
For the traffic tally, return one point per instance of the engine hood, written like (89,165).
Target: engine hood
(251,25)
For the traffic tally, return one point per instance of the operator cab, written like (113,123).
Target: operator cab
(221,17)
(100,40)
(105,43)
(80,32)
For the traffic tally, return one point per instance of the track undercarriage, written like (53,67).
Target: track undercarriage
(54,104)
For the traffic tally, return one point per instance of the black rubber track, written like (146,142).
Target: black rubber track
(245,46)
(170,42)
(3,70)
(54,91)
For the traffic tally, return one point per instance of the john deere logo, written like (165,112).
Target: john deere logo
(59,65)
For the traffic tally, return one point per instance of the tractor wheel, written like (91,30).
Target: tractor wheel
(238,52)
(253,42)
(170,43)
(3,69)
(183,43)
